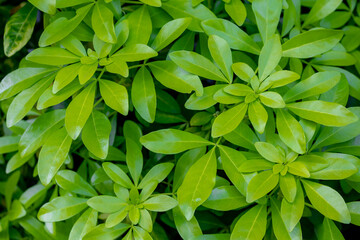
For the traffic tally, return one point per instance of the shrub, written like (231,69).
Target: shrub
(168,119)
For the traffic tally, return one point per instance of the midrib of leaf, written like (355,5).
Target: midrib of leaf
(253,223)
(319,196)
(317,84)
(201,175)
(330,230)
(102,20)
(111,91)
(242,137)
(259,188)
(83,104)
(232,162)
(96,130)
(306,44)
(142,15)
(147,109)
(59,149)
(317,112)
(172,75)
(41,135)
(235,115)
(289,128)
(21,27)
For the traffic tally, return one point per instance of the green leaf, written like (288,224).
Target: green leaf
(270,55)
(106,204)
(221,53)
(325,113)
(329,231)
(20,79)
(48,6)
(18,29)
(74,45)
(169,32)
(313,162)
(86,71)
(134,52)
(236,38)
(238,89)
(299,169)
(38,132)
(354,209)
(103,23)
(116,217)
(278,223)
(140,25)
(269,152)
(157,173)
(84,224)
(258,116)
(96,133)
(320,10)
(316,84)
(34,227)
(237,11)
(181,9)
(251,225)
(242,136)
(225,198)
(243,71)
(327,201)
(267,14)
(260,185)
(154,3)
(115,96)
(288,187)
(16,161)
(79,110)
(184,163)
(338,168)
(117,175)
(25,101)
(231,160)
(227,121)
(291,212)
(73,182)
(134,159)
(49,99)
(311,43)
(65,76)
(186,229)
(10,187)
(172,141)
(61,208)
(53,154)
(9,144)
(204,101)
(279,79)
(160,203)
(198,184)
(197,64)
(62,27)
(102,232)
(53,56)
(290,131)
(272,99)
(332,135)
(143,94)
(173,77)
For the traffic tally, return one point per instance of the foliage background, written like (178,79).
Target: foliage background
(222,196)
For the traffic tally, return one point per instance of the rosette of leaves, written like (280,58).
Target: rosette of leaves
(127,206)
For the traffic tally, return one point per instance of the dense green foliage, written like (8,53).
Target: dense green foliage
(170,119)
